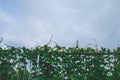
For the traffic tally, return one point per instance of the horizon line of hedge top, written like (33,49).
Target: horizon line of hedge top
(70,50)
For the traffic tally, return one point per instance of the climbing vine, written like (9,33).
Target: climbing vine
(59,63)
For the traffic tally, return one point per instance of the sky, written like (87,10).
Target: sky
(32,22)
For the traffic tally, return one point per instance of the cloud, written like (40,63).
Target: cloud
(6,18)
(66,20)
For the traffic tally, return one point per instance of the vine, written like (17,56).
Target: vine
(59,63)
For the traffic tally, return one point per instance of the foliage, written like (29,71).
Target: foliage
(59,63)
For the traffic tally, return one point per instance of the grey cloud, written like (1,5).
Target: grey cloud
(69,21)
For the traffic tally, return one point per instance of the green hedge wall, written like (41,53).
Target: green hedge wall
(59,63)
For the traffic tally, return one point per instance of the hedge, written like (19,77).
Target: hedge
(59,63)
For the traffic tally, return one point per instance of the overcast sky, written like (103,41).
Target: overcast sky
(25,21)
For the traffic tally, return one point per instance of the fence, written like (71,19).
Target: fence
(45,63)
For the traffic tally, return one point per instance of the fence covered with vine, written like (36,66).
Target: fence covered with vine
(59,63)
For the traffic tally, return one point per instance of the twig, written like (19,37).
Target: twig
(96,44)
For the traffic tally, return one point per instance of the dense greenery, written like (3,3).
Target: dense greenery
(59,63)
